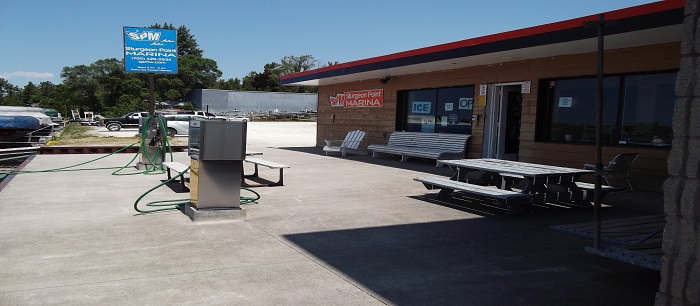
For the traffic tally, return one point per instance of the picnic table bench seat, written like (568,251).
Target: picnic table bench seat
(516,202)
(582,185)
(424,145)
(269,164)
(179,168)
(514,180)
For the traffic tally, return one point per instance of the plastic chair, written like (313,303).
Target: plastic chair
(617,168)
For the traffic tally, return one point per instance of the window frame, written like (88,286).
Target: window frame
(545,110)
(462,124)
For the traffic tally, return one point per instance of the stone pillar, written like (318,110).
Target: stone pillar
(680,274)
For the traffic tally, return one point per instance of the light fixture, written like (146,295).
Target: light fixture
(385,79)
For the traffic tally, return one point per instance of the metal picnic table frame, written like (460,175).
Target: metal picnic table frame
(545,183)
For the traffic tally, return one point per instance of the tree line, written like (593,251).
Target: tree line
(103,87)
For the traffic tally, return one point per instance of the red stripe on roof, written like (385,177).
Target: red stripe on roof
(550,27)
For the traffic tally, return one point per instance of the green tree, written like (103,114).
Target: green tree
(188,106)
(127,103)
(28,94)
(186,43)
(113,82)
(47,97)
(268,80)
(294,64)
(82,84)
(230,84)
(194,70)
(9,94)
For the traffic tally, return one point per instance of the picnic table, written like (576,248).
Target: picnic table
(535,183)
(545,183)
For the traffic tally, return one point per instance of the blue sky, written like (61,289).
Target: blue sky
(40,37)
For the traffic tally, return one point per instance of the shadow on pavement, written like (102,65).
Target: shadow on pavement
(496,260)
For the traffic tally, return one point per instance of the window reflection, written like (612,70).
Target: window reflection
(637,109)
(441,110)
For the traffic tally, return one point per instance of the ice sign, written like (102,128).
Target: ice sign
(144,36)
(421,107)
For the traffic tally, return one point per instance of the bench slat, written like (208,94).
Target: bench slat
(471,188)
(266,163)
(179,168)
(175,166)
(589,186)
(425,145)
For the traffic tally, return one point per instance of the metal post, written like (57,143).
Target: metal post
(151,94)
(598,138)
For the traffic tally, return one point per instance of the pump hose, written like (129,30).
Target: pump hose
(177,203)
(66,168)
(116,172)
(153,160)
(14,157)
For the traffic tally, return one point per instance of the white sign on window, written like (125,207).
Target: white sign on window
(448,107)
(565,101)
(427,126)
(525,88)
(466,103)
(419,107)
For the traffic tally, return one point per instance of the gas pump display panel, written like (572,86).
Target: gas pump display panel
(217,140)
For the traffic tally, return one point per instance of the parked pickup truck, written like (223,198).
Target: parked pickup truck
(201,113)
(130,120)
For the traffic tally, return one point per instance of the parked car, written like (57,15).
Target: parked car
(180,124)
(201,113)
(130,120)
(238,118)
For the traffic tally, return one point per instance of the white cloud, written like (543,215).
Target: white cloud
(27,74)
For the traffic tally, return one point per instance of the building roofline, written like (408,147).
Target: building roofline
(639,18)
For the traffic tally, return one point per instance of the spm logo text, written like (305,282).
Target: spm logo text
(144,36)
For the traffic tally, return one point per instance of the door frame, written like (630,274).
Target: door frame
(494,121)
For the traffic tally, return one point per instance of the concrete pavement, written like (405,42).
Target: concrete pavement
(342,231)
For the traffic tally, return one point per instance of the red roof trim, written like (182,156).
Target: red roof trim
(550,27)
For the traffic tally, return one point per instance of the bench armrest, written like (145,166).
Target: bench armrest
(331,142)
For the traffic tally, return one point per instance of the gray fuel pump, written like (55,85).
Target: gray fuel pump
(152,141)
(217,149)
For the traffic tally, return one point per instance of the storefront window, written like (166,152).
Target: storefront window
(648,109)
(421,108)
(637,109)
(442,110)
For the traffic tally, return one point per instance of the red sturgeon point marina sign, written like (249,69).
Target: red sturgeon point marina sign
(360,98)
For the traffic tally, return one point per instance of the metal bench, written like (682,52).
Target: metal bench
(516,202)
(261,162)
(425,145)
(587,188)
(591,187)
(180,169)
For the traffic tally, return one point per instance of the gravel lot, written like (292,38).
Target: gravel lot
(260,134)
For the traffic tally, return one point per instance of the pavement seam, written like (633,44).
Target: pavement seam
(318,263)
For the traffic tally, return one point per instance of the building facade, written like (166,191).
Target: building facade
(526,95)
(532,98)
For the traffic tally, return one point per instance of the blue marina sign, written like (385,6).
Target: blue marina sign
(149,50)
